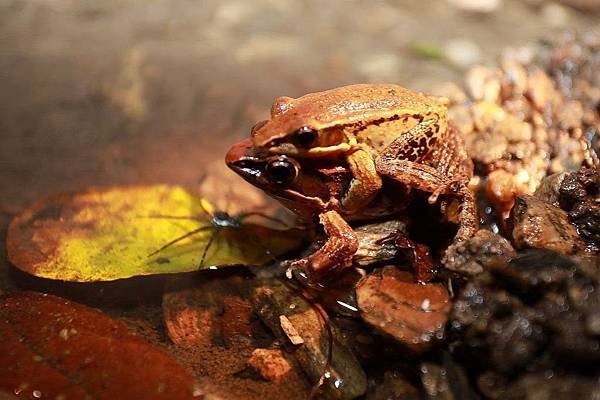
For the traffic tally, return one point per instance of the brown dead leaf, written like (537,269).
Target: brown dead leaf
(54,348)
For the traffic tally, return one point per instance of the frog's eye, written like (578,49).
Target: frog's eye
(305,136)
(281,170)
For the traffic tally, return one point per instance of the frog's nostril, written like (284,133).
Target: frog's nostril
(239,151)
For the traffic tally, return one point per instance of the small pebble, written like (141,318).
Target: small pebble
(477,6)
(462,52)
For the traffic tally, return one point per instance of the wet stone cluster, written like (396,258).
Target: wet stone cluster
(525,324)
(525,321)
(533,319)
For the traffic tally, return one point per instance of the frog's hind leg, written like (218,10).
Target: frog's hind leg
(428,179)
(446,170)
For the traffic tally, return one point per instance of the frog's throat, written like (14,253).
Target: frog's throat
(315,152)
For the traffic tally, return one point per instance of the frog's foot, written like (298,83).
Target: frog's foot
(450,187)
(296,269)
(468,225)
(336,253)
(301,271)
(423,264)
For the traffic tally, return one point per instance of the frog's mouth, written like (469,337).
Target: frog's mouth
(250,164)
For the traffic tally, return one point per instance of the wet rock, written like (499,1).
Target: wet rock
(500,188)
(373,246)
(412,313)
(580,197)
(360,339)
(236,321)
(540,386)
(539,224)
(194,315)
(482,251)
(489,219)
(270,363)
(548,190)
(496,327)
(535,317)
(446,380)
(340,298)
(538,272)
(394,385)
(326,362)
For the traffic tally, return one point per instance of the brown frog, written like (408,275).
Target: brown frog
(377,137)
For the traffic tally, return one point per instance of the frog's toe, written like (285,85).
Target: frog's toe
(298,269)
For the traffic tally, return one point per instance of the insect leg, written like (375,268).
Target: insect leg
(208,244)
(180,238)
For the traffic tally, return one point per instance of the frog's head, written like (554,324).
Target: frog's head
(301,189)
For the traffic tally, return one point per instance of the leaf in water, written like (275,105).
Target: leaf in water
(53,348)
(108,234)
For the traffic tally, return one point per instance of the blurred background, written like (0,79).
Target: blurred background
(136,91)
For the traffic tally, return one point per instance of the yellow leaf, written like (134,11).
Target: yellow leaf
(108,234)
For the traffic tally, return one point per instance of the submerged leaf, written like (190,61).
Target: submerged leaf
(53,348)
(108,234)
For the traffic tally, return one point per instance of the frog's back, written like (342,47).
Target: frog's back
(354,104)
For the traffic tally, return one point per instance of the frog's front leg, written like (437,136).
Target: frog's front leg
(365,183)
(338,250)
